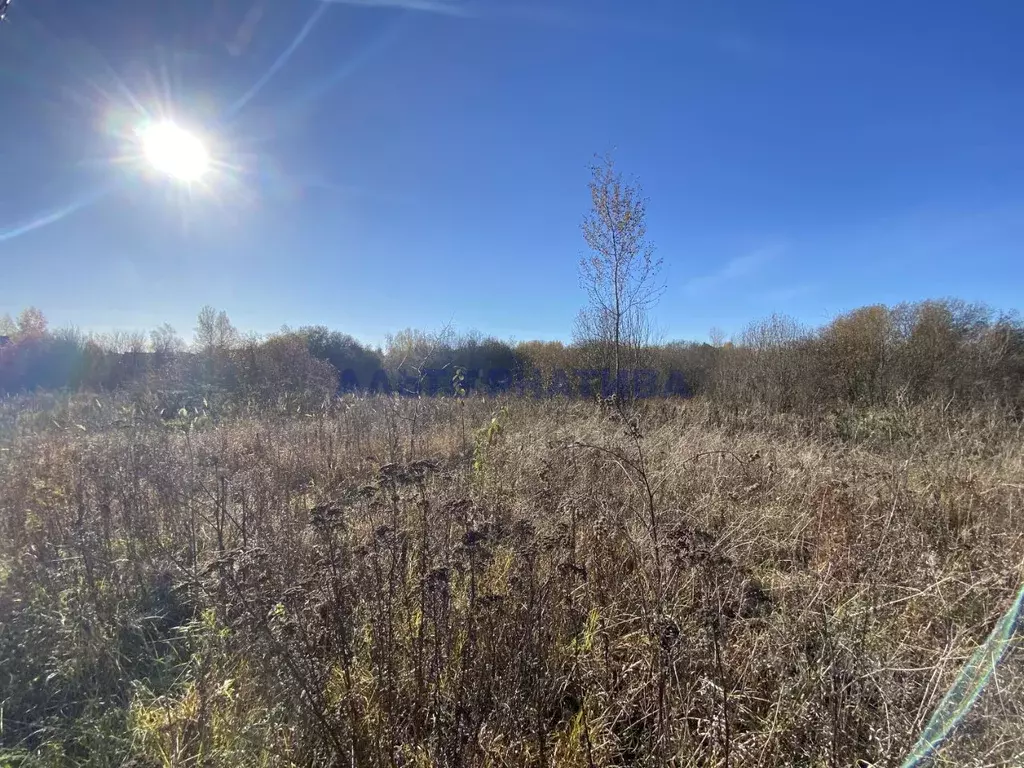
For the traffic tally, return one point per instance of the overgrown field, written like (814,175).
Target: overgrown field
(474,582)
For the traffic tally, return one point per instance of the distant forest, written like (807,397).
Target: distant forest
(965,354)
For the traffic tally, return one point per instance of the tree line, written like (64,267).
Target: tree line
(876,355)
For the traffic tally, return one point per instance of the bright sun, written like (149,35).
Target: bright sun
(174,151)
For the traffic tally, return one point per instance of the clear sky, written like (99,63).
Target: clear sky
(394,163)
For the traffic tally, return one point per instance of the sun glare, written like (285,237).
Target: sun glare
(174,151)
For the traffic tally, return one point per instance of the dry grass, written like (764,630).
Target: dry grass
(441,582)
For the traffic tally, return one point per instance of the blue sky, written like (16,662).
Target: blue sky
(417,162)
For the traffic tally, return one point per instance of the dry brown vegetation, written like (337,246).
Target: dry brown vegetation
(472,582)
